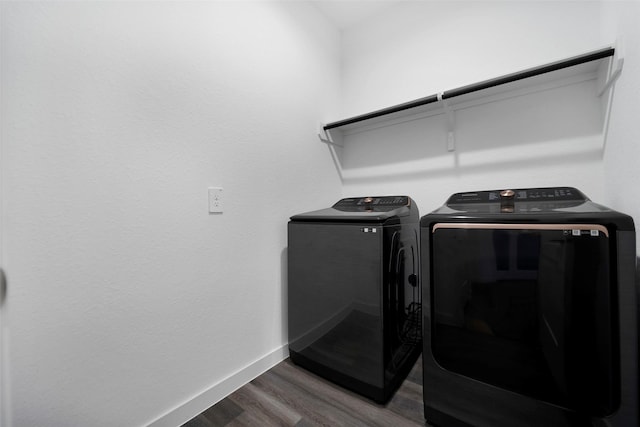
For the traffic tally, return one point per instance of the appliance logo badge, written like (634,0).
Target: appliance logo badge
(369,230)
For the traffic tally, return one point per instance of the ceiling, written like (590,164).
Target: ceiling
(345,13)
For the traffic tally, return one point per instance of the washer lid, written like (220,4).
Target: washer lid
(370,209)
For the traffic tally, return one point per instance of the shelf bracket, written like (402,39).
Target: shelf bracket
(326,136)
(608,74)
(335,148)
(450,118)
(618,63)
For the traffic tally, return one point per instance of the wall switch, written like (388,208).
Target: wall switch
(215,199)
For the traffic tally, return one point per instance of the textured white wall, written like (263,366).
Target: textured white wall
(420,48)
(126,298)
(622,152)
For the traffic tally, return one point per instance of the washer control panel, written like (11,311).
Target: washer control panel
(376,204)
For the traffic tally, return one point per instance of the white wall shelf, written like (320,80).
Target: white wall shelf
(604,65)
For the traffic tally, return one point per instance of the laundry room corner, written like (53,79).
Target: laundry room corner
(394,203)
(621,172)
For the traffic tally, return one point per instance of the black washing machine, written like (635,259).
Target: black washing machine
(530,311)
(353,297)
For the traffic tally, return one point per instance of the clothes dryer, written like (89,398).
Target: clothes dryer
(353,295)
(530,311)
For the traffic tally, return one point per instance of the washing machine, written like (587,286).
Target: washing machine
(354,304)
(530,311)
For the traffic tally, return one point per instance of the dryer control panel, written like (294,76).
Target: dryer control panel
(521,201)
(375,204)
(519,195)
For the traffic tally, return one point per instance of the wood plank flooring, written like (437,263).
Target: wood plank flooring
(288,395)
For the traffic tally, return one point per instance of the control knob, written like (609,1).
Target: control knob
(367,203)
(506,201)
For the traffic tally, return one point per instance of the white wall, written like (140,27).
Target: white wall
(418,48)
(622,154)
(126,298)
(421,48)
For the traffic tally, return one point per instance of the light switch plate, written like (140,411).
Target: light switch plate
(215,200)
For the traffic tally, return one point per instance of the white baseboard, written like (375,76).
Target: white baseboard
(219,391)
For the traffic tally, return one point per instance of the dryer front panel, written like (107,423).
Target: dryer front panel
(527,308)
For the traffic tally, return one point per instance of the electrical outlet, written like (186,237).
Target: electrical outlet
(215,200)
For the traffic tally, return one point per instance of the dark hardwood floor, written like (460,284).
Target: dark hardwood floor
(288,395)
